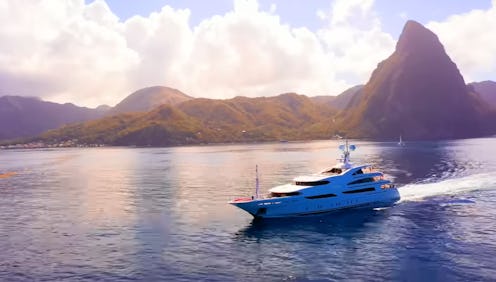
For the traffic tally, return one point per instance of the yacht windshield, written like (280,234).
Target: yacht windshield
(277,195)
(333,170)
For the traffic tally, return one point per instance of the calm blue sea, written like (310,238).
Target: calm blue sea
(161,214)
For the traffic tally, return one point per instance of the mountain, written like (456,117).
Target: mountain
(148,98)
(348,99)
(323,99)
(418,92)
(103,108)
(486,91)
(241,119)
(27,116)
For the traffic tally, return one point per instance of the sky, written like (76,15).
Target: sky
(97,52)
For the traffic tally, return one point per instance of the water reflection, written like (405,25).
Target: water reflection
(104,192)
(351,239)
(162,214)
(342,223)
(426,161)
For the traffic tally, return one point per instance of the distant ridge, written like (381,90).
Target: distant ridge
(30,116)
(486,91)
(241,119)
(146,99)
(22,117)
(348,99)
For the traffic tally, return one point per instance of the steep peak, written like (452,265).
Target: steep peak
(417,91)
(415,38)
(413,25)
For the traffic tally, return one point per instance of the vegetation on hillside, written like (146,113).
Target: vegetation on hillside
(285,117)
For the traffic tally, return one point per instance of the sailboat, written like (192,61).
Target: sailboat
(401,143)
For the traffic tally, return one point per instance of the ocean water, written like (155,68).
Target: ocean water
(161,214)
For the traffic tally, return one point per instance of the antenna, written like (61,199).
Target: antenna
(257,182)
(346,148)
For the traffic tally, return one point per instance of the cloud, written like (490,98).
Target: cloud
(63,50)
(358,11)
(470,41)
(355,40)
(273,8)
(321,14)
(162,42)
(249,52)
(82,53)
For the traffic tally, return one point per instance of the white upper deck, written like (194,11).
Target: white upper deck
(339,174)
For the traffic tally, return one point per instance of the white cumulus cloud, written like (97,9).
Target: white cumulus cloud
(249,52)
(62,50)
(470,41)
(72,51)
(82,53)
(355,40)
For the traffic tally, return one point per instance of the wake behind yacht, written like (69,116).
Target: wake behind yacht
(342,186)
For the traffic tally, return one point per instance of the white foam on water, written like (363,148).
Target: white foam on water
(419,191)
(381,209)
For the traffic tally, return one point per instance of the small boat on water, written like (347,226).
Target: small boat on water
(342,186)
(401,143)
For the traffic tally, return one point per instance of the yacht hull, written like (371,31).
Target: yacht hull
(301,206)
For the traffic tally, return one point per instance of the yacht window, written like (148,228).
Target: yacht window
(311,183)
(321,196)
(276,195)
(363,180)
(359,190)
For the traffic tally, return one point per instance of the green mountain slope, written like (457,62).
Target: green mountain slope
(288,117)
